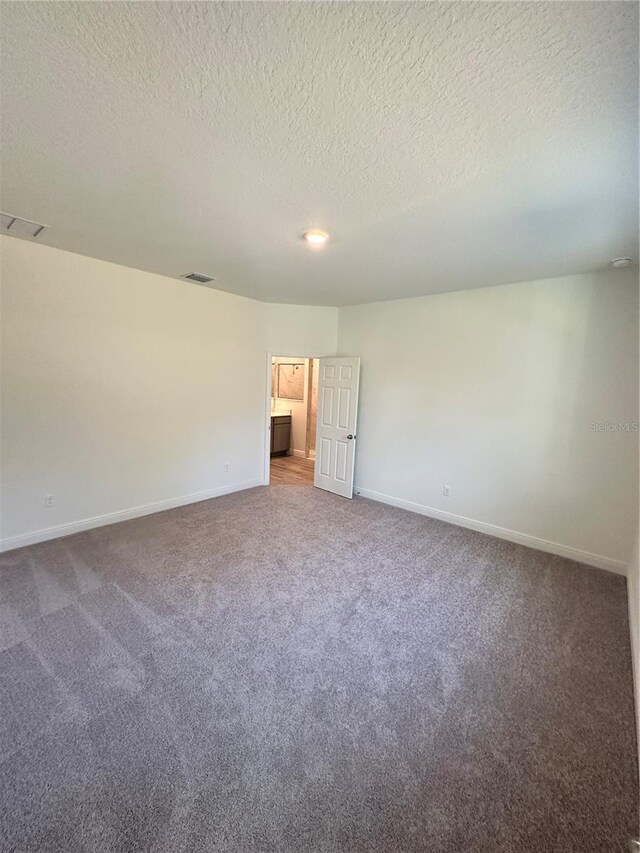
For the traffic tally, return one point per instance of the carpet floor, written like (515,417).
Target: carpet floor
(284,670)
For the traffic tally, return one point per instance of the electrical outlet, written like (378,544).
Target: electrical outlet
(446,491)
(48,501)
(226,466)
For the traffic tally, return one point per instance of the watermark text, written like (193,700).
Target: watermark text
(618,426)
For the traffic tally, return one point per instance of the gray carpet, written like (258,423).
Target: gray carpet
(284,670)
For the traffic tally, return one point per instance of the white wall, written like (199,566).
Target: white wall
(493,391)
(301,329)
(123,389)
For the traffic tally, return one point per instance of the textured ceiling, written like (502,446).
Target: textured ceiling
(443,145)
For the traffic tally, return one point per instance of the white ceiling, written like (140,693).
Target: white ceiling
(442,145)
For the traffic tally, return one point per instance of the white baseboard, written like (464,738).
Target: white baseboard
(122,515)
(617,566)
(68,529)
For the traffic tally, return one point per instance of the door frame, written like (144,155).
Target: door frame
(266,468)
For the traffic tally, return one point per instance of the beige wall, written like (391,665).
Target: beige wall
(633,591)
(125,391)
(493,392)
(313,406)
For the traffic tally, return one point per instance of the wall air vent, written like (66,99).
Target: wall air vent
(198,277)
(16,226)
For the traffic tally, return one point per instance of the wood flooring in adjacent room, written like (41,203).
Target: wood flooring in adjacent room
(291,471)
(281,670)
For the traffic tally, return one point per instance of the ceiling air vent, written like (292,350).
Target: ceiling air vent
(15,226)
(198,277)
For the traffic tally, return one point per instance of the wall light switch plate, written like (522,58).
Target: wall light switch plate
(446,491)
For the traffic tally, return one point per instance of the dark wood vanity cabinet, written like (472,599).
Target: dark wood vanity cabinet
(280,434)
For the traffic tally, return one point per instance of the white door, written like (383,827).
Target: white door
(336,424)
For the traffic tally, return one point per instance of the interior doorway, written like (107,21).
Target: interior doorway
(311,418)
(293,419)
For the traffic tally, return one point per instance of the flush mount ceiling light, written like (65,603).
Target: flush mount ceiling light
(315,237)
(198,277)
(16,226)
(619,263)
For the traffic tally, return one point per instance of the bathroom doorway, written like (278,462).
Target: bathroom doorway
(293,406)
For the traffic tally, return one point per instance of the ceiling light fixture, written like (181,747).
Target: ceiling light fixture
(619,263)
(315,237)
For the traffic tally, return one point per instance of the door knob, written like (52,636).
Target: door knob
(350,436)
